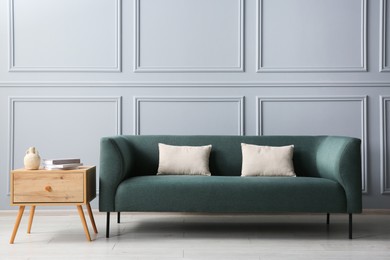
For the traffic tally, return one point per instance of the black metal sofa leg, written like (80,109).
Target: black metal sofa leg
(119,217)
(350,226)
(108,225)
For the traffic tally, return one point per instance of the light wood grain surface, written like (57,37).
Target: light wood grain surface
(53,187)
(56,235)
(48,187)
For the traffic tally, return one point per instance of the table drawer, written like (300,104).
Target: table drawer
(48,187)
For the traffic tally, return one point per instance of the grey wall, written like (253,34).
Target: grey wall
(72,71)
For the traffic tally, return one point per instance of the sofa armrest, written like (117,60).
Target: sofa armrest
(339,159)
(115,166)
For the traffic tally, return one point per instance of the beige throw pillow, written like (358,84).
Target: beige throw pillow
(267,160)
(184,160)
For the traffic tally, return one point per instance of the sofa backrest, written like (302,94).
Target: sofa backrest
(225,157)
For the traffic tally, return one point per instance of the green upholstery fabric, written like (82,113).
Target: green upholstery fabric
(230,194)
(334,163)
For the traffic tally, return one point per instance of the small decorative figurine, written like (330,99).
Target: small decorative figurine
(32,160)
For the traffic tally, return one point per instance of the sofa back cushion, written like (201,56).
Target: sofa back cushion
(226,155)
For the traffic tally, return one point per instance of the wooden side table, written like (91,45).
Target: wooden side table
(53,188)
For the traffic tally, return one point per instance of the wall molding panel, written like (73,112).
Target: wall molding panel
(384,123)
(62,45)
(200,84)
(383,62)
(236,102)
(345,100)
(193,65)
(296,65)
(46,120)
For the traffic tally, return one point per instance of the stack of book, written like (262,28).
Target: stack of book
(61,164)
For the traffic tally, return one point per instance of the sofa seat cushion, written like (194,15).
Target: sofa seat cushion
(230,194)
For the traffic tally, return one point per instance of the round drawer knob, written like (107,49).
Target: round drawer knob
(48,188)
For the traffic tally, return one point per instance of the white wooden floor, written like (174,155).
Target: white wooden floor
(59,235)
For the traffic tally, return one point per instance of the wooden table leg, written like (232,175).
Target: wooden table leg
(91,217)
(16,227)
(82,217)
(30,219)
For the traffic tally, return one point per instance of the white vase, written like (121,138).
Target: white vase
(32,160)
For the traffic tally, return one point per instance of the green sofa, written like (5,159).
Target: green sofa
(328,170)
